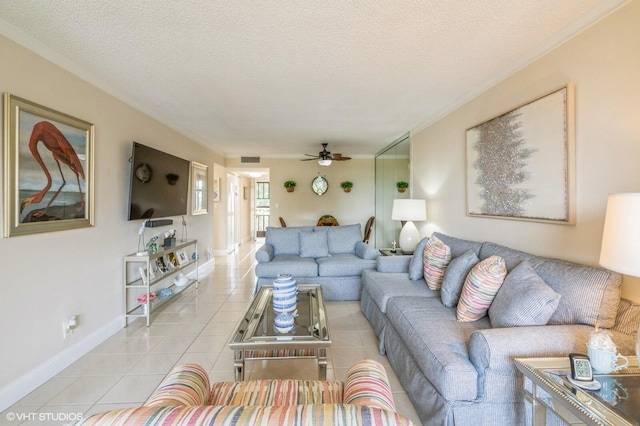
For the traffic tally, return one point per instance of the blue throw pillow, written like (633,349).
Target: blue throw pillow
(416,269)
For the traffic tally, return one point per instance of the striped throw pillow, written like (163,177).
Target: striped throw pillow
(436,258)
(480,287)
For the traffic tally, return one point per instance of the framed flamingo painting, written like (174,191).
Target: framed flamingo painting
(48,169)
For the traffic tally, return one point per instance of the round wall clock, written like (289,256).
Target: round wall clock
(319,185)
(143,173)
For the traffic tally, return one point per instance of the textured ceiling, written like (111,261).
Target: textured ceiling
(281,76)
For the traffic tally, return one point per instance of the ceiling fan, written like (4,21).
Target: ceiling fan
(324,157)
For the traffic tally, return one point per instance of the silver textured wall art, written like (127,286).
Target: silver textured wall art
(520,165)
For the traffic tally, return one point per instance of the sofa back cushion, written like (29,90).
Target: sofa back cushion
(458,246)
(343,239)
(313,244)
(589,295)
(285,240)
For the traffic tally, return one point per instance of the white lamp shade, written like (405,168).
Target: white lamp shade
(325,162)
(620,249)
(409,209)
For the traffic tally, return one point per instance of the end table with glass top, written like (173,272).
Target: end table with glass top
(547,388)
(256,339)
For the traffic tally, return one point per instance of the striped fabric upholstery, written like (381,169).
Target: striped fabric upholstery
(276,392)
(436,258)
(628,319)
(480,287)
(187,385)
(367,384)
(303,415)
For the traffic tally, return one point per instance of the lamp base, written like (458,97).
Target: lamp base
(409,237)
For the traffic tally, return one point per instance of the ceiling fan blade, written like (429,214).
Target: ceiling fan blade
(339,157)
(310,159)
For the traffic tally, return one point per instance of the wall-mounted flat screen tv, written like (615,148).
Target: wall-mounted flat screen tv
(159,184)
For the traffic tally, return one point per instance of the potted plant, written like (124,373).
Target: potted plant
(290,185)
(402,186)
(346,186)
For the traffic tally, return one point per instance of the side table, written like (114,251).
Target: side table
(547,388)
(389,252)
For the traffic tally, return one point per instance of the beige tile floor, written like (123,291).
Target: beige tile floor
(194,327)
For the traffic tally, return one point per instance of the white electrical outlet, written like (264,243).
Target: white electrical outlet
(69,326)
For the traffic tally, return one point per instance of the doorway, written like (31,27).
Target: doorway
(262,208)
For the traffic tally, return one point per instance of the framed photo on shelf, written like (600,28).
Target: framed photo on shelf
(182,257)
(48,167)
(168,263)
(162,267)
(146,274)
(173,259)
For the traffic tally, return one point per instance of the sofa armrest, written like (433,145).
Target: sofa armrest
(186,385)
(213,415)
(365,251)
(393,263)
(496,348)
(367,384)
(265,253)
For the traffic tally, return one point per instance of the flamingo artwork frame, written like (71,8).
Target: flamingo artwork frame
(48,174)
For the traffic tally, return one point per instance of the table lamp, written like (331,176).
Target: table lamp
(408,210)
(620,250)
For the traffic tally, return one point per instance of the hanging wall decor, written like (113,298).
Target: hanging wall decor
(48,169)
(520,165)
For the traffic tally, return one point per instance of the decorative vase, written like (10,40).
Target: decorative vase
(290,189)
(285,294)
(283,323)
(402,189)
(346,189)
(145,308)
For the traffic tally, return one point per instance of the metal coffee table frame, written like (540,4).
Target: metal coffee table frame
(256,339)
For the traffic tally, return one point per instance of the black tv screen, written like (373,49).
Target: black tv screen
(159,184)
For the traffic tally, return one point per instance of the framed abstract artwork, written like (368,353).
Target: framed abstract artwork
(199,199)
(48,169)
(520,165)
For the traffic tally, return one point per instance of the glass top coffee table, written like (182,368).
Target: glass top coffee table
(547,387)
(255,337)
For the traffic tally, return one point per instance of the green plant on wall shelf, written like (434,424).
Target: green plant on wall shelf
(290,185)
(346,186)
(402,186)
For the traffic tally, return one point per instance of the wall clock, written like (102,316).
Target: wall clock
(319,185)
(143,173)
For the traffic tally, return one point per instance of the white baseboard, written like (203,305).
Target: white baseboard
(21,387)
(26,384)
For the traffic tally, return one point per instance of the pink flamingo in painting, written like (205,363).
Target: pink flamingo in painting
(62,151)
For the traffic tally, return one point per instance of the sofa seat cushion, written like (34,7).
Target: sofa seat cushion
(589,295)
(288,264)
(382,286)
(222,415)
(277,392)
(343,265)
(438,343)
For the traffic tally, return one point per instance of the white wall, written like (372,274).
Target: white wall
(45,278)
(604,64)
(304,207)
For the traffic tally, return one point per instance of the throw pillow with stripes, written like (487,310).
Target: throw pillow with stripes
(480,288)
(436,258)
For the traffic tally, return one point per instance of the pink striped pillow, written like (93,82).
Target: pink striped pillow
(480,288)
(436,258)
(367,384)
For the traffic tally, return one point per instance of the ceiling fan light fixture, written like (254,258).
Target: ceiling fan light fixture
(324,162)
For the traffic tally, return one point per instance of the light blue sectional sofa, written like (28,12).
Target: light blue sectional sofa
(332,256)
(462,373)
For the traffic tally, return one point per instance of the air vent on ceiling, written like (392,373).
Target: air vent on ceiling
(250,159)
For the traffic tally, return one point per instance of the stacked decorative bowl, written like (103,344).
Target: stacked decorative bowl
(285,302)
